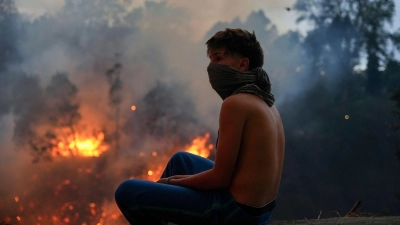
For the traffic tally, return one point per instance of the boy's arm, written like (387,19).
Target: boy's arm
(232,120)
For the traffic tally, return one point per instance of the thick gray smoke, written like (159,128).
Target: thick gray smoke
(79,72)
(81,42)
(60,80)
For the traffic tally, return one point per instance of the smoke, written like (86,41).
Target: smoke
(204,14)
(69,83)
(60,82)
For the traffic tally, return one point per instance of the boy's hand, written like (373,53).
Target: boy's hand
(168,180)
(162,181)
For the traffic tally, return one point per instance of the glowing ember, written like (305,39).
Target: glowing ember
(82,146)
(155,173)
(200,147)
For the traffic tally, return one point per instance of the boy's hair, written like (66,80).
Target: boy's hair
(240,42)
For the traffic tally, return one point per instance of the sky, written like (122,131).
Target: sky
(202,14)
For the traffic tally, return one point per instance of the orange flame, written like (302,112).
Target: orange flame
(99,213)
(199,146)
(82,146)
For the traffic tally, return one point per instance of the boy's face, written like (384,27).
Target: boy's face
(220,56)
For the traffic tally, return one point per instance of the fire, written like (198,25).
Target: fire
(200,147)
(73,195)
(82,146)
(155,174)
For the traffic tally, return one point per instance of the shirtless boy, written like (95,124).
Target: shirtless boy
(240,187)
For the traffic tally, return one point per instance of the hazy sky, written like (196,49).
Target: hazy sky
(202,13)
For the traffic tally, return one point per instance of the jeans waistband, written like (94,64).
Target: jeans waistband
(255,211)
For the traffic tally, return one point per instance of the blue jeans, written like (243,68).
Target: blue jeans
(146,202)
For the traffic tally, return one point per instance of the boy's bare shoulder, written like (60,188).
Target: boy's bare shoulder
(243,98)
(244,101)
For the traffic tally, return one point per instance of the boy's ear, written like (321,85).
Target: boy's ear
(244,64)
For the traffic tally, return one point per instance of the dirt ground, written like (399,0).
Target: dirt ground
(389,220)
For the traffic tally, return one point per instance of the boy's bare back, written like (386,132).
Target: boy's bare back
(259,163)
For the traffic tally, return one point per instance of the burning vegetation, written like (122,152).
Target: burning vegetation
(78,188)
(80,155)
(80,133)
(79,145)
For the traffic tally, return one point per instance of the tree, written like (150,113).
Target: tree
(45,118)
(332,46)
(340,142)
(9,33)
(64,113)
(396,98)
(115,98)
(371,17)
(367,18)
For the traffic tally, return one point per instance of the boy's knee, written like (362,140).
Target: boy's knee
(125,189)
(180,155)
(119,192)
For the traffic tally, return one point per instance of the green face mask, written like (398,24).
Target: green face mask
(226,81)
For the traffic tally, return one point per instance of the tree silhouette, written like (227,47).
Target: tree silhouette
(8,26)
(366,20)
(64,109)
(115,98)
(9,54)
(339,136)
(396,98)
(371,17)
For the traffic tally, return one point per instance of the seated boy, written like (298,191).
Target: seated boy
(240,187)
